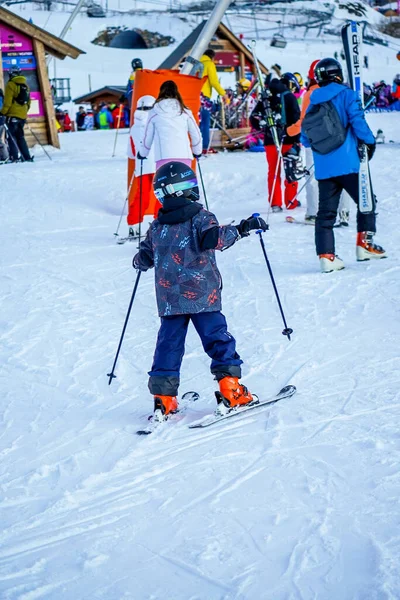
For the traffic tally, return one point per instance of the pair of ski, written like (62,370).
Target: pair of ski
(352,39)
(213,419)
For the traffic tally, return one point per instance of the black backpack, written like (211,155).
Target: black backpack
(323,127)
(23,94)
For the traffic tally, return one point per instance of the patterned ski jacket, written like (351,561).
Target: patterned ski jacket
(180,244)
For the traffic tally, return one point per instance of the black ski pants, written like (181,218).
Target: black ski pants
(16,139)
(330,191)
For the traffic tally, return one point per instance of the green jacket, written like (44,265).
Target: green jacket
(11,108)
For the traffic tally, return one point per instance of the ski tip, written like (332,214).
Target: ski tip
(143,432)
(192,396)
(288,389)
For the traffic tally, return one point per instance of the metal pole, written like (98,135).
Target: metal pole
(69,23)
(206,35)
(112,375)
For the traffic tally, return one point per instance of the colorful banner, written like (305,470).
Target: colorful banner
(14,41)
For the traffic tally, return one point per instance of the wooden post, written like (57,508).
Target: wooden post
(45,89)
(1,70)
(242,65)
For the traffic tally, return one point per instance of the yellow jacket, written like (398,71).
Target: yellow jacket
(210,71)
(11,108)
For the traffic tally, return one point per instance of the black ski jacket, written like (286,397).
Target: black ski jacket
(290,115)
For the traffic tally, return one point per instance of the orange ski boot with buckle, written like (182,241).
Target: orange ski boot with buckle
(366,249)
(163,406)
(232,393)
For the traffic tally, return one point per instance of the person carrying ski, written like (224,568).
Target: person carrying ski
(180,245)
(17,102)
(170,124)
(286,112)
(337,161)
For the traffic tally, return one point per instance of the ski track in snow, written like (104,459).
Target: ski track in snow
(295,502)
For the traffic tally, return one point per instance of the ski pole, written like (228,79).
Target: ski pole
(39,142)
(287,331)
(140,199)
(111,375)
(202,184)
(126,200)
(116,133)
(309,178)
(277,171)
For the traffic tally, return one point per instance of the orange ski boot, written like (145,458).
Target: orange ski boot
(232,393)
(163,406)
(366,249)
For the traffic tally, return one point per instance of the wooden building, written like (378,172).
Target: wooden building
(108,93)
(25,45)
(231,53)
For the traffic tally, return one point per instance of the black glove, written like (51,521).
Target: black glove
(136,264)
(371,150)
(2,119)
(140,157)
(246,225)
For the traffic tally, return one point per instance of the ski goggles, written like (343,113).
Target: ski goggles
(175,189)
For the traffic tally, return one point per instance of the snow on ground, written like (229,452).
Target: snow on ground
(297,502)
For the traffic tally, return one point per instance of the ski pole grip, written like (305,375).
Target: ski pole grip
(255,216)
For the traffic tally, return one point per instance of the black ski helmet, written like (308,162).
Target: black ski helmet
(14,72)
(175,179)
(291,82)
(328,70)
(137,64)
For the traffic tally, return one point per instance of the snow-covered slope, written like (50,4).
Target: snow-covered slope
(296,502)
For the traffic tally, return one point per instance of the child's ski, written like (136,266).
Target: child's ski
(183,404)
(285,392)
(352,44)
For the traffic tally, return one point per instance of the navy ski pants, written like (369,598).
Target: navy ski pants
(217,342)
(329,195)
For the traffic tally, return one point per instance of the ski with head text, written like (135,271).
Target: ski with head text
(353,49)
(240,411)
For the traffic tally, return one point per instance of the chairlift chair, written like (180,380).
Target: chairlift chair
(278,41)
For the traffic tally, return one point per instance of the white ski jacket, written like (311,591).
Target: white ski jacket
(136,137)
(168,130)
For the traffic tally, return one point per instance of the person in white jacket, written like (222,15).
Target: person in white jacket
(142,200)
(169,127)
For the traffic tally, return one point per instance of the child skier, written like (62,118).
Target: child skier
(180,244)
